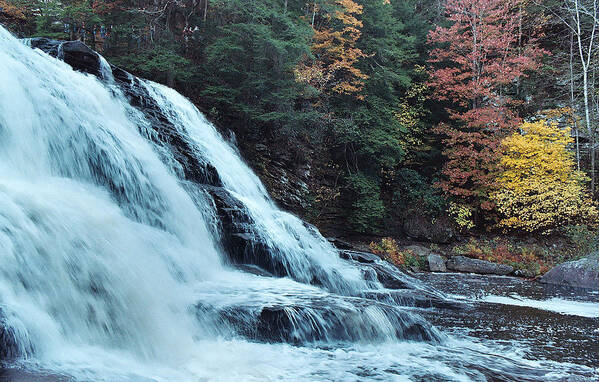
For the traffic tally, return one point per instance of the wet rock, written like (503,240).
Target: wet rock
(329,318)
(423,228)
(523,273)
(238,235)
(254,269)
(339,244)
(361,257)
(74,53)
(385,273)
(583,273)
(10,348)
(466,264)
(436,263)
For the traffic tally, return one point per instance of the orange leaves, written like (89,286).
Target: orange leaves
(11,11)
(335,48)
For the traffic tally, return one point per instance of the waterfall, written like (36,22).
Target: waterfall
(136,245)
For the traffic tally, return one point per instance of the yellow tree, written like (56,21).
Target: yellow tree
(539,188)
(335,50)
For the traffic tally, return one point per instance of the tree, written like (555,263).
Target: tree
(581,18)
(539,188)
(336,55)
(477,61)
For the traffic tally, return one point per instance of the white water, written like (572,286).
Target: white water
(103,254)
(286,235)
(558,305)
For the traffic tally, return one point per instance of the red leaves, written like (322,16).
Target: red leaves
(476,60)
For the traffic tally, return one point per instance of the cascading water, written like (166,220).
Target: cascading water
(116,262)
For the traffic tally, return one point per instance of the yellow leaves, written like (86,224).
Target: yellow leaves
(410,112)
(337,53)
(462,215)
(538,188)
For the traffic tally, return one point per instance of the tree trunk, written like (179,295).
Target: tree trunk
(586,62)
(587,115)
(572,100)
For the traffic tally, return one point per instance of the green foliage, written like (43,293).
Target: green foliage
(413,189)
(585,239)
(158,63)
(368,210)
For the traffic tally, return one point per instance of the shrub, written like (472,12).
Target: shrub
(388,249)
(538,189)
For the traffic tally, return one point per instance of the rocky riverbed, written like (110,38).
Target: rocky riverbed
(547,322)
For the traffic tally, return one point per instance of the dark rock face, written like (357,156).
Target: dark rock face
(238,235)
(423,228)
(74,53)
(10,348)
(436,263)
(339,244)
(321,319)
(383,272)
(583,273)
(466,264)
(285,178)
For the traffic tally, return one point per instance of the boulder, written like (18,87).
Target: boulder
(418,250)
(424,228)
(387,274)
(583,273)
(339,244)
(466,264)
(10,346)
(436,263)
(75,53)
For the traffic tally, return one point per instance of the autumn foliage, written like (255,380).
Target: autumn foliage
(11,11)
(539,188)
(475,63)
(334,47)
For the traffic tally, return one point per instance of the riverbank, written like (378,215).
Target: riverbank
(526,257)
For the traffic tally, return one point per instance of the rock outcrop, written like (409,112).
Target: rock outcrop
(466,264)
(436,263)
(10,346)
(583,273)
(423,228)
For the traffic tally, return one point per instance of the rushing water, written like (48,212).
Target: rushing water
(112,267)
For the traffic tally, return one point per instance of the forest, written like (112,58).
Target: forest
(377,119)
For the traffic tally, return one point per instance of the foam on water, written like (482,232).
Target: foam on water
(555,304)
